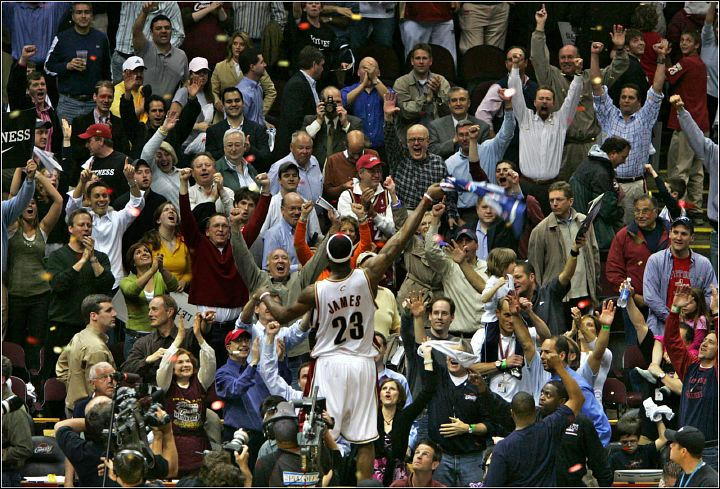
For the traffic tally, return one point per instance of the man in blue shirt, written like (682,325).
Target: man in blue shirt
(240,385)
(80,57)
(537,371)
(253,66)
(282,234)
(526,457)
(365,100)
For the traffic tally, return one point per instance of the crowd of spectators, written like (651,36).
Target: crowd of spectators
(192,158)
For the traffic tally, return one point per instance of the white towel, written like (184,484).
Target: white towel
(447,348)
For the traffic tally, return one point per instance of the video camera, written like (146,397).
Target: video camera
(135,413)
(311,436)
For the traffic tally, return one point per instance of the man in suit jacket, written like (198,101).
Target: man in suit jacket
(300,97)
(103,98)
(237,172)
(259,150)
(443,138)
(329,131)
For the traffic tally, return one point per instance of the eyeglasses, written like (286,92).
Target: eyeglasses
(628,442)
(644,211)
(416,140)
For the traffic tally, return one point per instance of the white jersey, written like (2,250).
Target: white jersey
(345,315)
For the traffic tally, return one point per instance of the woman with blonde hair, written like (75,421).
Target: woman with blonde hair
(228,74)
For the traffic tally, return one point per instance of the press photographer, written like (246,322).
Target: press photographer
(292,464)
(88,455)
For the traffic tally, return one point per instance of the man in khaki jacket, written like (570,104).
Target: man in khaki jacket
(86,348)
(551,241)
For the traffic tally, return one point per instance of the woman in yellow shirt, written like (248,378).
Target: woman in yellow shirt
(166,239)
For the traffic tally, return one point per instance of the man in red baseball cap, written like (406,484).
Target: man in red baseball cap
(104,161)
(375,196)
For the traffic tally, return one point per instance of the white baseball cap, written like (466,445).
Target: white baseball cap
(197,64)
(132,63)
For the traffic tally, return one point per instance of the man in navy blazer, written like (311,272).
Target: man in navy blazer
(300,97)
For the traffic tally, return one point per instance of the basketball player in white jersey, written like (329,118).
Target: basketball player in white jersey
(344,352)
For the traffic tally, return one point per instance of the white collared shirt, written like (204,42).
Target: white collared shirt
(108,229)
(313,86)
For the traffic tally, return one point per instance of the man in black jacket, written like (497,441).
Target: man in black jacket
(460,423)
(258,152)
(580,447)
(300,97)
(27,90)
(596,176)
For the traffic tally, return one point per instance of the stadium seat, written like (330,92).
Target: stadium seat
(442,63)
(16,354)
(386,58)
(53,404)
(482,63)
(615,396)
(47,458)
(478,94)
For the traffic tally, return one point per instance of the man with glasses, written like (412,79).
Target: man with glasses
(166,65)
(258,150)
(412,166)
(630,250)
(443,137)
(237,172)
(79,57)
(340,170)
(103,384)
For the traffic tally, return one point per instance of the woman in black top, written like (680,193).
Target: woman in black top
(395,421)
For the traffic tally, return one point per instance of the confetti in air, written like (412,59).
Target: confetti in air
(283,63)
(597,80)
(93,58)
(221,38)
(356,17)
(575,468)
(217,405)
(583,304)
(14,114)
(46,276)
(31,340)
(53,328)
(303,26)
(509,92)
(134,211)
(250,158)
(58,350)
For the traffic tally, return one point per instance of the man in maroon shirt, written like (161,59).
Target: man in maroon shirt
(687,78)
(217,285)
(425,460)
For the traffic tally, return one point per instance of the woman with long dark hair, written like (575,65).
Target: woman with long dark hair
(167,239)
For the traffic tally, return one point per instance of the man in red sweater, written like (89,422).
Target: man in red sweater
(687,78)
(217,285)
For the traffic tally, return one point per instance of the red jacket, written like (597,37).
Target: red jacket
(628,254)
(216,281)
(687,78)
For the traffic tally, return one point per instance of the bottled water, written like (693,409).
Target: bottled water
(624,294)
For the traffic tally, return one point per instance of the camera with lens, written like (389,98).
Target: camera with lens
(240,439)
(135,415)
(330,108)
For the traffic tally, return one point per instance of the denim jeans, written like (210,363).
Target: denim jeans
(460,470)
(11,478)
(382,32)
(710,457)
(69,108)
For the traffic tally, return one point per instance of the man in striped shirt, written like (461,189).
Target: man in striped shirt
(632,121)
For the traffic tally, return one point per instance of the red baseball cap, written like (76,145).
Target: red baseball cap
(367,162)
(236,333)
(99,130)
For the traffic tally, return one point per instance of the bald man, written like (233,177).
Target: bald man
(584,130)
(364,99)
(340,167)
(281,235)
(330,124)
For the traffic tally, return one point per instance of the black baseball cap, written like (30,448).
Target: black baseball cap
(683,221)
(287,165)
(39,123)
(687,437)
(470,233)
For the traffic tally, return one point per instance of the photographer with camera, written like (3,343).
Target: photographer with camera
(330,125)
(287,466)
(186,386)
(88,455)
